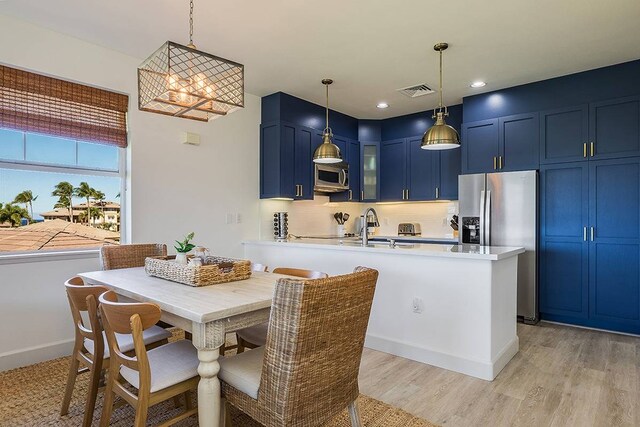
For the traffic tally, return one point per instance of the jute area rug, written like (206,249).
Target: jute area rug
(31,396)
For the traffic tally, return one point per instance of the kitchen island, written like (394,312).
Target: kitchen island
(451,306)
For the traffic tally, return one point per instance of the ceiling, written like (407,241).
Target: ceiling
(370,48)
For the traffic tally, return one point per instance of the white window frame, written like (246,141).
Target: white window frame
(34,256)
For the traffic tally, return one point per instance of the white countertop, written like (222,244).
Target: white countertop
(489,253)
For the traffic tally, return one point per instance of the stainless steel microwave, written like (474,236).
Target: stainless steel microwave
(331,177)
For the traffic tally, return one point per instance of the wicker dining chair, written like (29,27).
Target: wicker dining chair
(256,336)
(113,257)
(89,349)
(165,372)
(308,371)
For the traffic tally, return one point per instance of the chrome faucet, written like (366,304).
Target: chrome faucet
(365,225)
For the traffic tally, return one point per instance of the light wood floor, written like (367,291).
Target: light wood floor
(562,376)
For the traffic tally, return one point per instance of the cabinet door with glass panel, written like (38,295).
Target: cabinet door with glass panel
(370,184)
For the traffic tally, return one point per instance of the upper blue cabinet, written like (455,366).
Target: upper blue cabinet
(350,150)
(504,144)
(286,161)
(409,173)
(600,130)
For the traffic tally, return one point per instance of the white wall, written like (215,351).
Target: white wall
(173,188)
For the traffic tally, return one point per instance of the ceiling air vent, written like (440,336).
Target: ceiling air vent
(416,91)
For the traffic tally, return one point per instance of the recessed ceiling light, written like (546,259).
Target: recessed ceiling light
(478,84)
(382,105)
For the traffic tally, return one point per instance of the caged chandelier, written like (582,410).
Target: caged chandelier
(182,81)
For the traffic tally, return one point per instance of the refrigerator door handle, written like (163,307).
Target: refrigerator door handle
(482,218)
(487,219)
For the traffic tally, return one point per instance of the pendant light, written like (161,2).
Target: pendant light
(327,152)
(440,136)
(182,81)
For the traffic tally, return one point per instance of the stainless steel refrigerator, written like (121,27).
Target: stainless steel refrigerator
(501,209)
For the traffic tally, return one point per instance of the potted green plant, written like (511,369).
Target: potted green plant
(183,248)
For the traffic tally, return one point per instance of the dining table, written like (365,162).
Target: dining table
(207,312)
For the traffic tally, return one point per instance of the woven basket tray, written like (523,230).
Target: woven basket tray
(215,270)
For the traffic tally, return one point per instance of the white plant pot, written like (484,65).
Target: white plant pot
(181,258)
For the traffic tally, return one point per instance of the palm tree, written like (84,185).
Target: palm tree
(27,198)
(13,214)
(64,190)
(94,214)
(99,196)
(85,191)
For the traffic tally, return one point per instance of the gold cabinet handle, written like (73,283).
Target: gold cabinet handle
(593,148)
(584,150)
(500,162)
(494,163)
(407,194)
(437,193)
(297,190)
(592,233)
(301,190)
(584,232)
(350,195)
(361,194)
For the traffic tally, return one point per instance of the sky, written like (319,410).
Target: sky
(48,150)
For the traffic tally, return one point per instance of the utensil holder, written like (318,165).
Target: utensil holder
(340,230)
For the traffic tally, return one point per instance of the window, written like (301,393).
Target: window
(62,148)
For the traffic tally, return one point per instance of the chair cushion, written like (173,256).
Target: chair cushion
(169,364)
(125,341)
(243,371)
(256,335)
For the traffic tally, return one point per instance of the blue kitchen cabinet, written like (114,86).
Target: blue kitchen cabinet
(393,170)
(480,146)
(423,171)
(450,164)
(286,157)
(614,128)
(519,141)
(350,154)
(564,134)
(614,252)
(564,249)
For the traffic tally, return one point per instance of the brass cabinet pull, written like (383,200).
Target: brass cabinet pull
(593,148)
(361,194)
(500,162)
(584,232)
(437,193)
(297,190)
(584,150)
(592,233)
(301,191)
(350,195)
(494,163)
(407,194)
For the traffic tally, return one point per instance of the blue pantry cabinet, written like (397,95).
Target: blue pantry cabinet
(564,134)
(480,146)
(590,243)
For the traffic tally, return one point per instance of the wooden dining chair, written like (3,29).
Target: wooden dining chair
(256,336)
(113,257)
(165,372)
(308,370)
(89,347)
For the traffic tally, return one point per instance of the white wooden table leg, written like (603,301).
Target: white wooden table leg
(208,338)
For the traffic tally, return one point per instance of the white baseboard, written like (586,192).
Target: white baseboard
(31,355)
(475,368)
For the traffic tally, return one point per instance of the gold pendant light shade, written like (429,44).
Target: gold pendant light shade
(327,152)
(440,136)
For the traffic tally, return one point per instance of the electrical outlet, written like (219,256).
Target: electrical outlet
(229,218)
(238,218)
(417,305)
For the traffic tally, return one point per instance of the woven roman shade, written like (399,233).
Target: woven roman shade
(34,103)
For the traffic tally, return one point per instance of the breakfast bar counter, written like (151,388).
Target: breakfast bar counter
(451,306)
